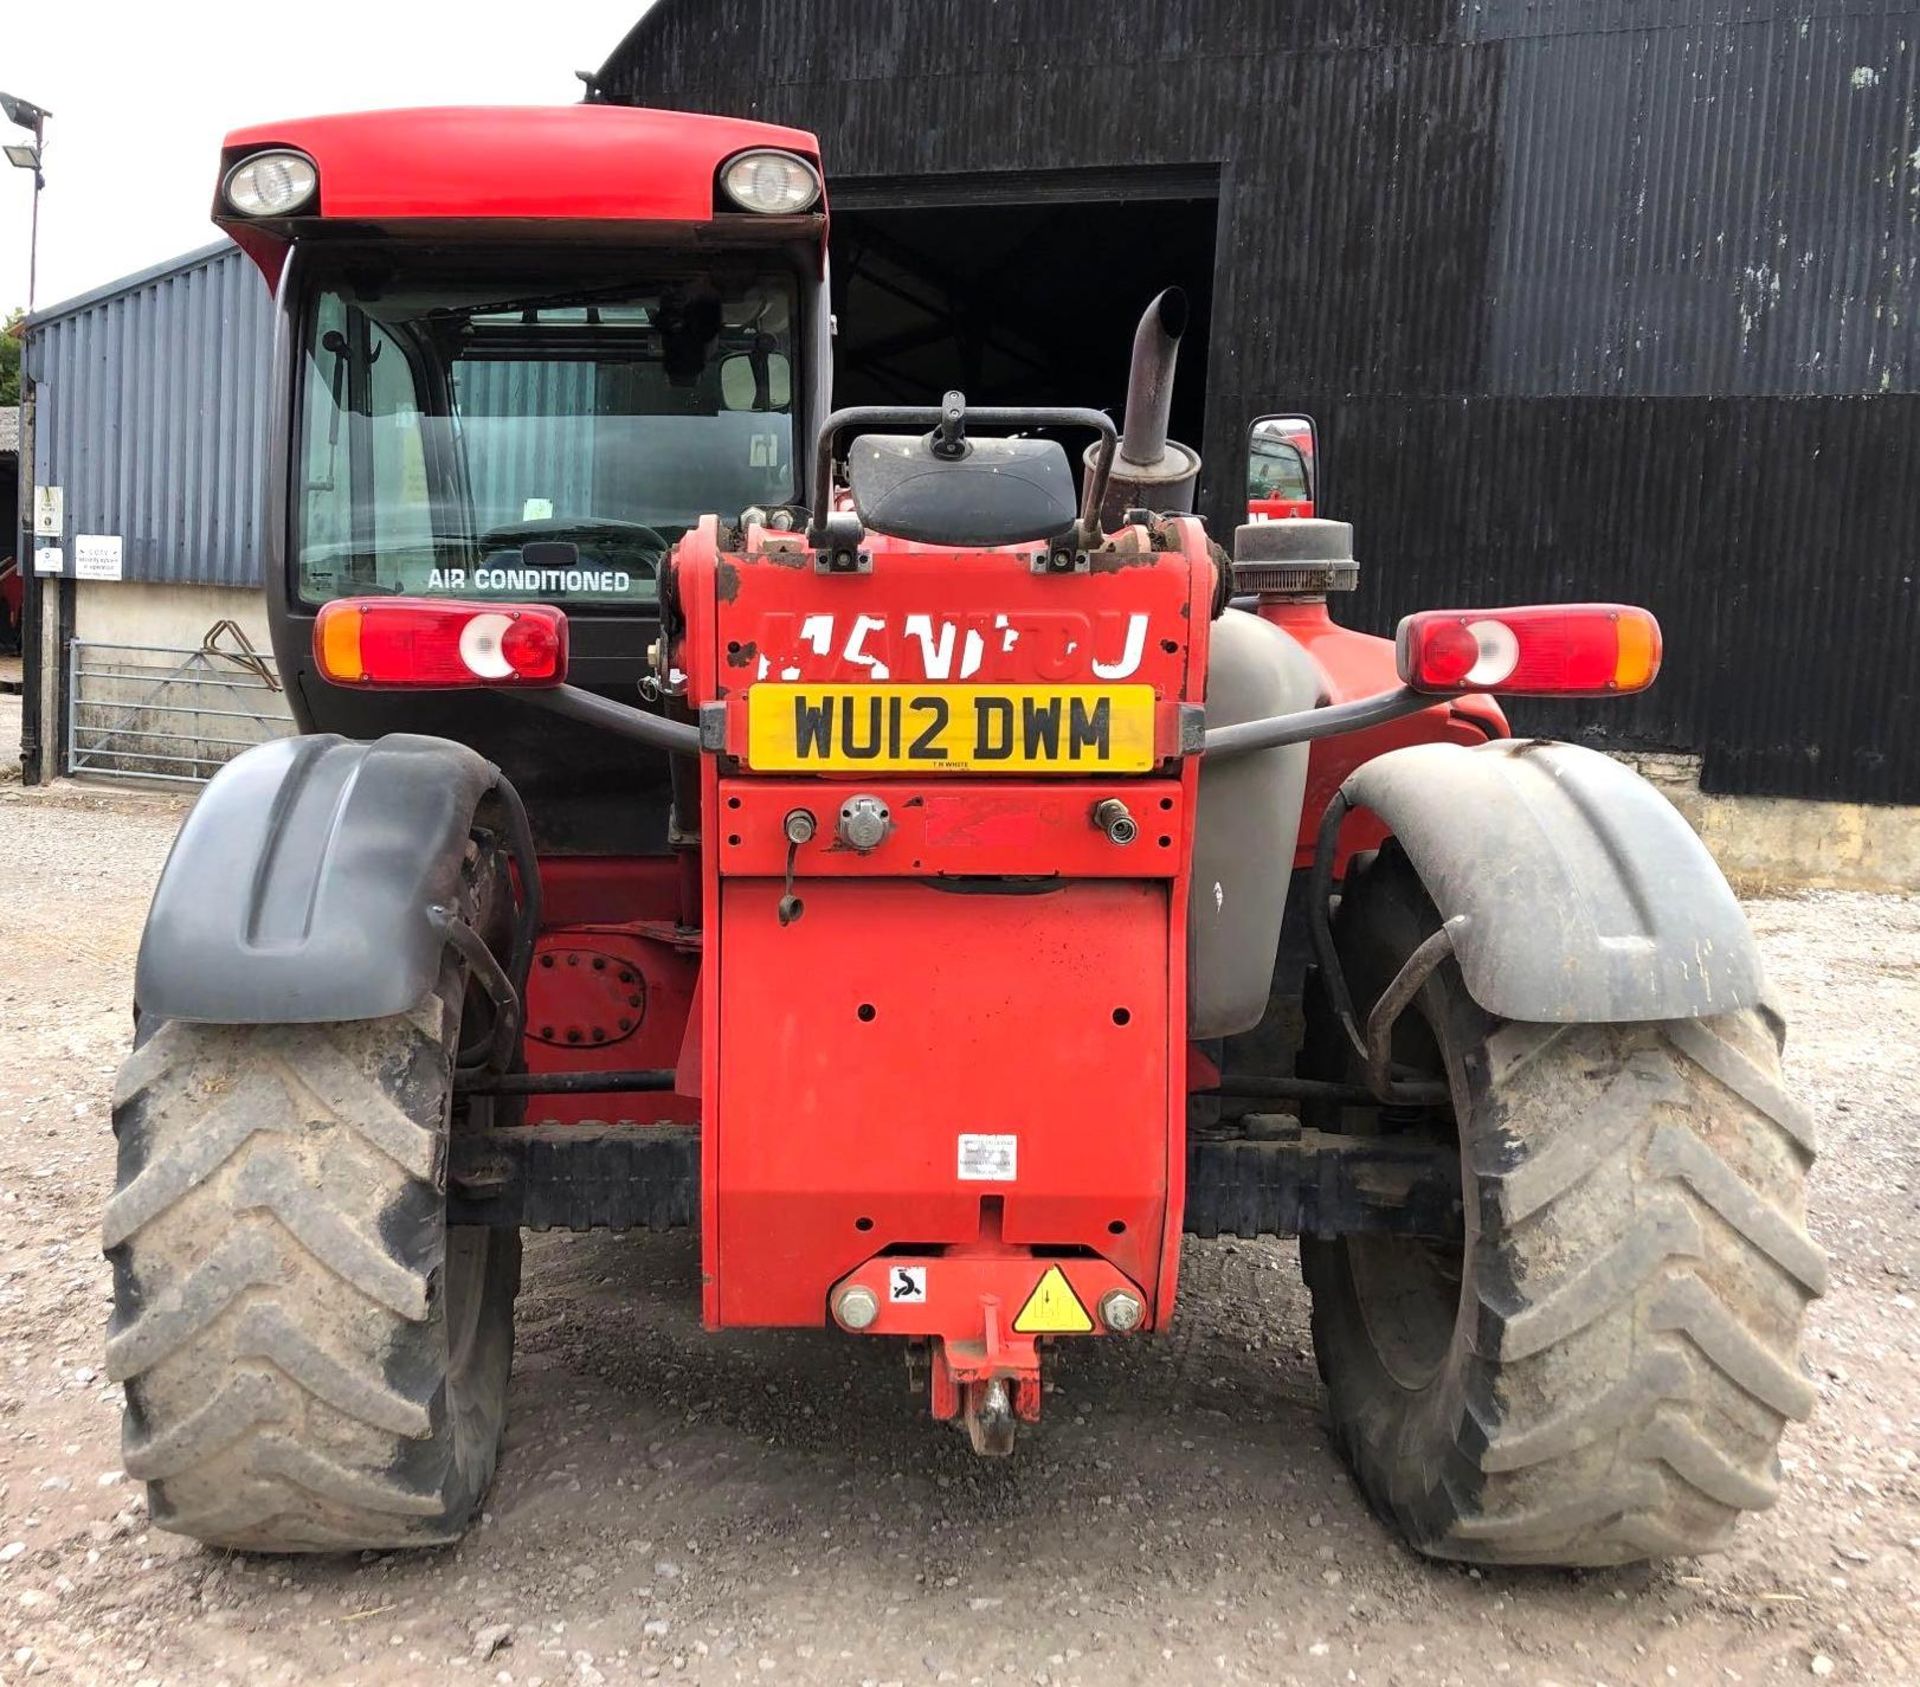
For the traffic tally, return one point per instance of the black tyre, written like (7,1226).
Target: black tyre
(1600,1370)
(313,1360)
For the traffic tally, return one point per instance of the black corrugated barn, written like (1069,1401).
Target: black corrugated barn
(1600,298)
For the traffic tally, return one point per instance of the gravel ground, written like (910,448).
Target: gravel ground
(774,1508)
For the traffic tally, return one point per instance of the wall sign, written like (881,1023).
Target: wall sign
(49,511)
(96,556)
(46,559)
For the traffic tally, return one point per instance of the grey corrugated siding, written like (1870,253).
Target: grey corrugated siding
(152,416)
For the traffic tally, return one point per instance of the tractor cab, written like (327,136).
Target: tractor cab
(521,353)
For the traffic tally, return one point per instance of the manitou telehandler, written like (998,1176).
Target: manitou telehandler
(931,866)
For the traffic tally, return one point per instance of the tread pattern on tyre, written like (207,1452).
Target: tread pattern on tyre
(1637,1274)
(279,1252)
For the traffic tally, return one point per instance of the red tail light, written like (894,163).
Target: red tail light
(429,642)
(1548,650)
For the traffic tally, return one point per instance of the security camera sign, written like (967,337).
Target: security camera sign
(49,511)
(97,556)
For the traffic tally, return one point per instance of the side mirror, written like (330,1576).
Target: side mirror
(1283,478)
(756,380)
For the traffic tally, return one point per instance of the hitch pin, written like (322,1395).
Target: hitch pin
(799,827)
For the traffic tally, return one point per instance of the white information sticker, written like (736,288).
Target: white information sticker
(96,556)
(537,509)
(49,510)
(46,559)
(907,1284)
(989,1159)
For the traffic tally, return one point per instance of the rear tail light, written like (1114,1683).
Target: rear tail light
(409,641)
(1551,650)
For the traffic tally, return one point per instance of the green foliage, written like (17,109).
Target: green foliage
(10,358)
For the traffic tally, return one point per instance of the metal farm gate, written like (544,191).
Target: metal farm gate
(145,712)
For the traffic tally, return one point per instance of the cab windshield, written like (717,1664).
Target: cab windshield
(530,437)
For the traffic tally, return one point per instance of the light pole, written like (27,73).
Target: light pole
(26,115)
(40,626)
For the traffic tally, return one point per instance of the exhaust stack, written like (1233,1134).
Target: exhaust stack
(1151,471)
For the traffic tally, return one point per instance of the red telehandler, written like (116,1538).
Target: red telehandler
(871,838)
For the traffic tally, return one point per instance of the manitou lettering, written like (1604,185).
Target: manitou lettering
(951,728)
(1051,645)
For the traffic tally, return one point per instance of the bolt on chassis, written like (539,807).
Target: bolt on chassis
(931,866)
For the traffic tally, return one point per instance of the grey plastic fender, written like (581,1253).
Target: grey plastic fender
(298,889)
(1582,894)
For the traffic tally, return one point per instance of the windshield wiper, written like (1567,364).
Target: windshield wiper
(336,342)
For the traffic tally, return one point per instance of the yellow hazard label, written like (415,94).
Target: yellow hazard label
(1053,1308)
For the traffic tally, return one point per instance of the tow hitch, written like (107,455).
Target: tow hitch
(983,1315)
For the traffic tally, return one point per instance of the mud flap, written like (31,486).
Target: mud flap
(300,887)
(1575,892)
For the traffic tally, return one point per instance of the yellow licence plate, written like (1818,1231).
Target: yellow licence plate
(950,728)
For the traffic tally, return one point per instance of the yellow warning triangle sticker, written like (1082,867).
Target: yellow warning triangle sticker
(1053,1308)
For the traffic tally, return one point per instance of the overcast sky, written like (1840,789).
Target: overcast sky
(141,94)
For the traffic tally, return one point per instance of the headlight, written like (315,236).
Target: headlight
(770,182)
(270,184)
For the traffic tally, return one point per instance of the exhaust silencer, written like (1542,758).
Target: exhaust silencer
(1151,471)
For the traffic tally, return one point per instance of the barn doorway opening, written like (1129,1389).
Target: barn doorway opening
(1018,288)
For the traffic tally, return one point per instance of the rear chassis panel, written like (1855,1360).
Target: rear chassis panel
(862,1041)
(1025,976)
